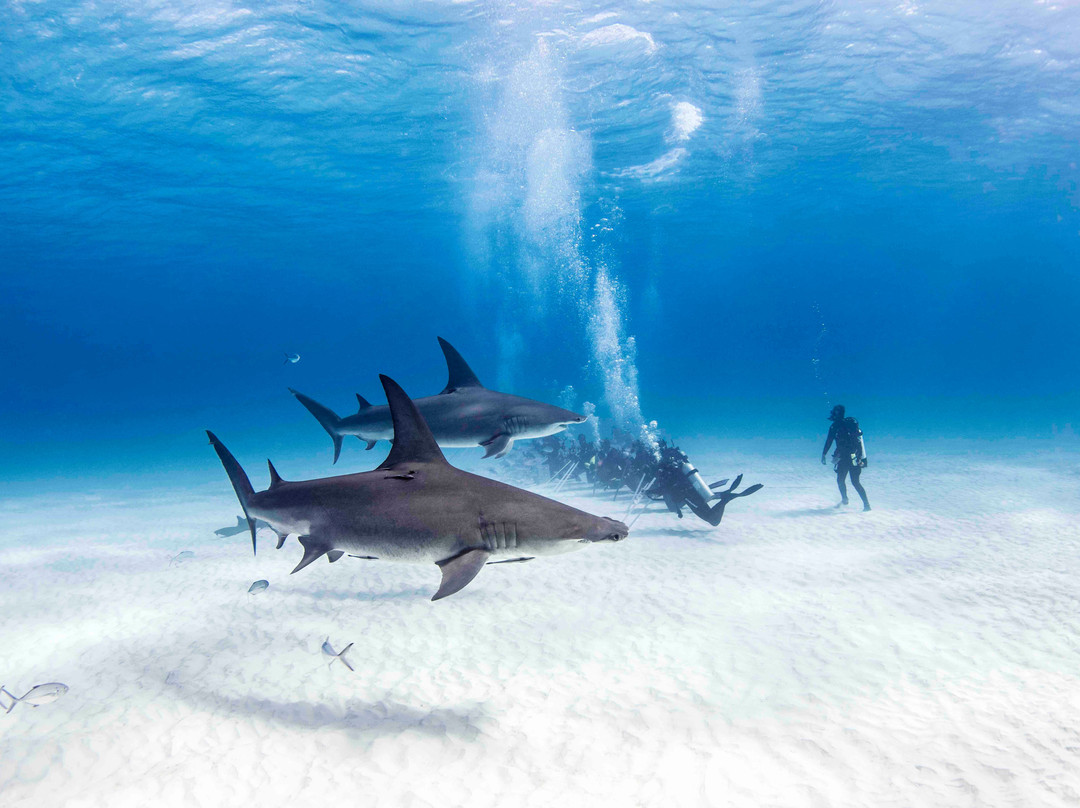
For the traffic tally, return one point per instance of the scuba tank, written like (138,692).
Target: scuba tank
(860,459)
(693,476)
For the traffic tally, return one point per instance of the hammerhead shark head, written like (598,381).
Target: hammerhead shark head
(415,507)
(464,414)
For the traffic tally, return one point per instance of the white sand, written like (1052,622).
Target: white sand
(927,653)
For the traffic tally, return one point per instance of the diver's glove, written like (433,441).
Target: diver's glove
(823,459)
(864,462)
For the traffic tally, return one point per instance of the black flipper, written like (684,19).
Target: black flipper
(313,548)
(239,479)
(413,441)
(718,484)
(459,570)
(714,514)
(325,416)
(460,374)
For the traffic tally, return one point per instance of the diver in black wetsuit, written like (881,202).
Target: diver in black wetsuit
(850,455)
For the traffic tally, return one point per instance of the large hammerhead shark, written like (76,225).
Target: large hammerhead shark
(416,507)
(464,414)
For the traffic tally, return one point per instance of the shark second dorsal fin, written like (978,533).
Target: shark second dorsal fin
(275,478)
(461,374)
(413,441)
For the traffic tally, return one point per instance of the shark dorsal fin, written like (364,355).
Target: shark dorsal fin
(461,374)
(275,478)
(413,441)
(363,402)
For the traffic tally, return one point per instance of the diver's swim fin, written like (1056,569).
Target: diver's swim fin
(714,514)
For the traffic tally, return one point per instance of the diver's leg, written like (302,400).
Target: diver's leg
(855,473)
(714,514)
(841,473)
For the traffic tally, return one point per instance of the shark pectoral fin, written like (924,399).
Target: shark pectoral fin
(370,444)
(459,570)
(334,555)
(498,445)
(313,548)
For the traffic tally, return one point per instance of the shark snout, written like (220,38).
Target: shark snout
(608,530)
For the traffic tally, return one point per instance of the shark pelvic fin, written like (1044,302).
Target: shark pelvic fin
(459,570)
(370,444)
(460,374)
(498,446)
(413,441)
(334,555)
(313,548)
(280,538)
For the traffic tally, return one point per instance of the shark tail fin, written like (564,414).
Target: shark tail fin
(325,416)
(240,482)
(341,656)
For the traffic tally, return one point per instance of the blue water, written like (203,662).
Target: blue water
(724,220)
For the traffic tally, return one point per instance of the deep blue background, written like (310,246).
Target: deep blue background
(179,211)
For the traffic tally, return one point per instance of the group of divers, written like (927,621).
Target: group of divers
(416,507)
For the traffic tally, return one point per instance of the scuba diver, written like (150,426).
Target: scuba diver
(679,484)
(850,454)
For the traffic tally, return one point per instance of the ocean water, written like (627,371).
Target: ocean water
(722,217)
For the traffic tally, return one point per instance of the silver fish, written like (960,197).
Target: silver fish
(38,695)
(181,557)
(258,586)
(328,649)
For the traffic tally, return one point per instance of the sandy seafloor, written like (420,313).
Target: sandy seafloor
(927,653)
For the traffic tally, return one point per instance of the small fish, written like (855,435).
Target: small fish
(291,359)
(39,694)
(328,649)
(181,557)
(259,586)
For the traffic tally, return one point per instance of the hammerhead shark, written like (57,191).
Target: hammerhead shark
(464,414)
(415,507)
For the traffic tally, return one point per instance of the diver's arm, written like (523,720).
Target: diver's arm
(828,443)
